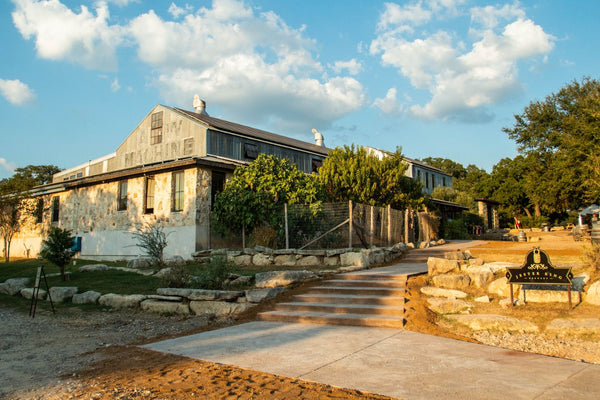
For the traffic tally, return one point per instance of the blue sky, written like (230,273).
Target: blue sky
(439,78)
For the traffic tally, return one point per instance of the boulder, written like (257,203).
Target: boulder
(425,245)
(487,322)
(28,293)
(316,253)
(358,259)
(349,268)
(262,260)
(243,260)
(285,260)
(120,301)
(61,294)
(205,294)
(282,278)
(442,305)
(576,326)
(500,266)
(438,266)
(218,308)
(241,281)
(14,285)
(164,272)
(476,262)
(140,263)
(176,299)
(547,294)
(400,247)
(482,299)
(480,276)
(593,294)
(501,288)
(165,307)
(89,297)
(439,292)
(94,267)
(335,252)
(309,261)
(457,255)
(174,261)
(331,261)
(174,292)
(440,242)
(451,281)
(258,295)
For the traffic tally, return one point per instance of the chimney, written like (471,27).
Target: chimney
(319,141)
(199,105)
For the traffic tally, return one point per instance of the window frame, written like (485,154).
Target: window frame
(250,151)
(156,128)
(177,191)
(147,196)
(55,209)
(122,195)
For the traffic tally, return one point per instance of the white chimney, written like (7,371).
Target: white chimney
(199,105)
(319,141)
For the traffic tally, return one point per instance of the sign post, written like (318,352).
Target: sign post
(36,291)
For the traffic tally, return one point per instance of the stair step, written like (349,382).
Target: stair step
(333,308)
(334,319)
(350,299)
(378,291)
(365,283)
(371,277)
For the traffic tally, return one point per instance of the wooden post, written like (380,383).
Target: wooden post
(389,224)
(406,225)
(351,222)
(287,233)
(512,302)
(372,226)
(243,237)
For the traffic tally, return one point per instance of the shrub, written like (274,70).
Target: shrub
(263,235)
(57,249)
(178,277)
(152,239)
(213,274)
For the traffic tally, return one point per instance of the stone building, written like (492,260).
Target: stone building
(488,210)
(168,171)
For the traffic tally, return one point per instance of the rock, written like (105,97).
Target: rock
(331,261)
(176,299)
(424,245)
(451,281)
(262,260)
(174,261)
(336,252)
(501,288)
(164,272)
(410,245)
(243,260)
(218,308)
(263,249)
(487,322)
(593,294)
(120,301)
(576,326)
(89,297)
(505,303)
(165,307)
(457,255)
(241,281)
(480,276)
(350,268)
(140,263)
(61,294)
(400,247)
(174,292)
(374,257)
(438,266)
(358,259)
(316,253)
(288,260)
(28,293)
(282,278)
(439,292)
(476,262)
(205,294)
(447,306)
(499,266)
(440,242)
(482,299)
(547,294)
(94,267)
(309,261)
(14,285)
(258,295)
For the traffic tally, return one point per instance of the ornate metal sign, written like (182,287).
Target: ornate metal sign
(538,270)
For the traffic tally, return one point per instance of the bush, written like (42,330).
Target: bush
(57,249)
(533,222)
(178,277)
(213,274)
(263,235)
(152,239)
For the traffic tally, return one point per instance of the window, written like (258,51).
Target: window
(178,191)
(55,208)
(149,199)
(427,180)
(122,196)
(216,186)
(443,181)
(316,164)
(39,211)
(156,129)
(250,151)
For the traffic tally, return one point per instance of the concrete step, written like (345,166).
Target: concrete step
(365,283)
(331,308)
(372,277)
(363,290)
(380,321)
(350,299)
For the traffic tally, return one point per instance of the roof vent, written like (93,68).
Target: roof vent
(319,141)
(199,105)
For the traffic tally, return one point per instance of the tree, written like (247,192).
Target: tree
(57,249)
(350,173)
(255,194)
(153,240)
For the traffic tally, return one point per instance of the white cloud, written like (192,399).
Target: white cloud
(462,78)
(16,92)
(352,66)
(389,104)
(62,34)
(114,86)
(8,165)
(394,14)
(122,3)
(177,12)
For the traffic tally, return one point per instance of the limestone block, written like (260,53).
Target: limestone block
(174,292)
(61,294)
(316,253)
(309,261)
(488,322)
(424,245)
(258,295)
(410,245)
(28,293)
(335,252)
(358,259)
(451,281)
(119,301)
(349,268)
(174,261)
(549,294)
(480,276)
(457,255)
(505,303)
(263,249)
(165,307)
(501,288)
(331,261)
(241,280)
(261,260)
(164,298)
(439,292)
(575,325)
(476,262)
(218,308)
(243,260)
(438,266)
(442,305)
(282,278)
(593,294)
(14,285)
(375,257)
(94,267)
(288,260)
(500,266)
(482,299)
(205,294)
(400,247)
(140,263)
(440,242)
(89,297)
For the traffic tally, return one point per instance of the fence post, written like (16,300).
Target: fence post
(406,225)
(389,224)
(287,234)
(243,237)
(372,226)
(350,223)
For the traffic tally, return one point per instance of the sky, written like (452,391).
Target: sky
(439,78)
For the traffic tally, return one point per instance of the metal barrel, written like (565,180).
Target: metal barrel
(522,236)
(595,234)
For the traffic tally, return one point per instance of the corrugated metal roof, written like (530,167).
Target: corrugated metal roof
(252,132)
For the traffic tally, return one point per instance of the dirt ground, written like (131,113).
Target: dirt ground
(93,354)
